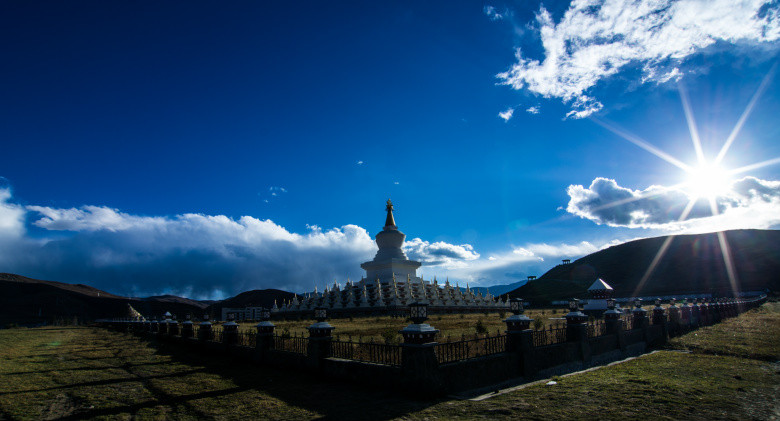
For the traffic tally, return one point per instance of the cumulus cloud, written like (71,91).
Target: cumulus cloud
(532,110)
(605,202)
(597,39)
(11,216)
(196,255)
(522,261)
(191,254)
(506,115)
(439,252)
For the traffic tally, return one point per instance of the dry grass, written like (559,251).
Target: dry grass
(450,325)
(84,373)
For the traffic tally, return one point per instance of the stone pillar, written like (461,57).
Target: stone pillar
(265,335)
(520,337)
(187,329)
(674,318)
(204,332)
(173,327)
(659,318)
(230,333)
(695,315)
(577,329)
(419,366)
(704,315)
(155,326)
(320,337)
(613,325)
(162,327)
(639,315)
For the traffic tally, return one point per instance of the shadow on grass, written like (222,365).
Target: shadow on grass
(333,398)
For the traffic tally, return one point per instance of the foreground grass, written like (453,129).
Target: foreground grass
(83,373)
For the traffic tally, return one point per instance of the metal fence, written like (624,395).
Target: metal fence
(465,349)
(549,336)
(372,352)
(216,334)
(294,344)
(247,338)
(596,329)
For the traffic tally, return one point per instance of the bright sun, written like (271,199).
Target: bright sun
(708,181)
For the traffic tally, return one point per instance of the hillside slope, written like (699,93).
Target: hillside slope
(692,263)
(32,301)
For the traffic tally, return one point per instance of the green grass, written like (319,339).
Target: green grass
(85,373)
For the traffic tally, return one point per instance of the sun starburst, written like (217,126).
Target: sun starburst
(706,179)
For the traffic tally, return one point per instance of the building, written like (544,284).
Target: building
(391,282)
(599,293)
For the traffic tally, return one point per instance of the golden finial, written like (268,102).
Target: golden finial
(390,221)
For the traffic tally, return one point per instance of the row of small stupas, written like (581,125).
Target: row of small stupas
(391,280)
(376,294)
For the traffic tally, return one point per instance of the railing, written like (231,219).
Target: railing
(293,344)
(371,352)
(549,336)
(596,329)
(247,338)
(216,334)
(470,348)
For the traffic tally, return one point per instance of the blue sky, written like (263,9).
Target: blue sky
(205,148)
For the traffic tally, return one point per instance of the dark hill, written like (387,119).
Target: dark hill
(254,298)
(691,264)
(31,301)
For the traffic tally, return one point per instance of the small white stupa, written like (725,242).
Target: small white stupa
(599,292)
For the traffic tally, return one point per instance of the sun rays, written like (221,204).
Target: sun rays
(707,179)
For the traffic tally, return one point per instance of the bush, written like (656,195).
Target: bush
(390,336)
(538,324)
(480,327)
(462,316)
(502,314)
(554,311)
(285,333)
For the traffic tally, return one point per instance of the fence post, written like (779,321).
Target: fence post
(419,366)
(265,335)
(659,318)
(577,329)
(162,327)
(320,337)
(230,332)
(674,319)
(173,327)
(187,329)
(696,313)
(204,333)
(519,337)
(613,325)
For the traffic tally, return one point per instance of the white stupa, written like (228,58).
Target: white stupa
(390,260)
(599,292)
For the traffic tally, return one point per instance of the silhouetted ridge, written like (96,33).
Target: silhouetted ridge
(691,264)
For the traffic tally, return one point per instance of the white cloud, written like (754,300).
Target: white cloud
(493,13)
(360,162)
(532,110)
(189,253)
(439,253)
(596,40)
(747,203)
(506,115)
(522,261)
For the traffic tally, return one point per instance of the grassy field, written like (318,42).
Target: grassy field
(85,373)
(450,325)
